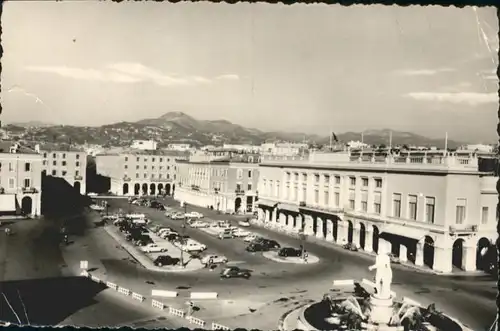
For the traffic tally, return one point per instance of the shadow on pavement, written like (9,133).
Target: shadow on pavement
(46,301)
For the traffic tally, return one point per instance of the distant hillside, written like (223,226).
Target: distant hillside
(177,127)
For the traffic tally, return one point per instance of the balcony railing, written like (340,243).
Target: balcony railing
(29,190)
(126,179)
(195,187)
(239,192)
(78,177)
(464,229)
(302,203)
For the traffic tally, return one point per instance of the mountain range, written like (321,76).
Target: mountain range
(178,127)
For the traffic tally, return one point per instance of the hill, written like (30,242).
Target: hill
(178,127)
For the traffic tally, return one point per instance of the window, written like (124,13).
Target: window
(484,215)
(364,181)
(461,211)
(316,196)
(352,181)
(364,200)
(327,179)
(54,173)
(145,175)
(296,175)
(378,182)
(337,180)
(238,187)
(64,163)
(316,178)
(145,159)
(249,173)
(161,159)
(27,166)
(304,178)
(77,163)
(270,188)
(337,199)
(78,156)
(412,207)
(145,166)
(54,163)
(136,167)
(168,167)
(64,173)
(159,176)
(45,155)
(377,203)
(287,191)
(12,182)
(64,155)
(152,175)
(54,155)
(153,159)
(430,206)
(126,166)
(152,167)
(396,205)
(239,174)
(304,194)
(288,175)
(27,183)
(77,173)
(44,162)
(326,198)
(295,192)
(11,167)
(138,159)
(249,187)
(126,158)
(352,199)
(168,160)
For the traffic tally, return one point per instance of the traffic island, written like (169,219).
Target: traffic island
(144,260)
(272,255)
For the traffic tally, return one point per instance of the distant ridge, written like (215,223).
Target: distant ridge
(178,127)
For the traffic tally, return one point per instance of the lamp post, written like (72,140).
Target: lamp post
(302,237)
(183,232)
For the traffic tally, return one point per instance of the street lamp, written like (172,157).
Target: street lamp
(183,232)
(303,238)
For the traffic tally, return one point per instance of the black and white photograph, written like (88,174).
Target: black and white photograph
(250,165)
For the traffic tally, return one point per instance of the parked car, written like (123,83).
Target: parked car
(350,247)
(251,237)
(166,260)
(169,213)
(194,214)
(257,247)
(199,224)
(240,233)
(165,229)
(153,248)
(245,224)
(289,251)
(177,216)
(214,259)
(143,241)
(271,244)
(226,235)
(235,272)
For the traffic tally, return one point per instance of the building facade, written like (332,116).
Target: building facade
(71,165)
(138,173)
(436,210)
(144,145)
(20,182)
(225,181)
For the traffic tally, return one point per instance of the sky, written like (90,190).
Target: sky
(304,68)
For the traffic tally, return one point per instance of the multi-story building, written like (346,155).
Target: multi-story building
(179,147)
(135,173)
(70,164)
(438,210)
(288,149)
(147,145)
(223,179)
(20,180)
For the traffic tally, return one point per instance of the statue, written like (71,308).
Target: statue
(383,277)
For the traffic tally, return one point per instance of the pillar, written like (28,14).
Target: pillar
(319,228)
(343,228)
(299,219)
(356,234)
(268,216)
(368,239)
(291,220)
(443,257)
(308,228)
(282,220)
(419,254)
(329,230)
(469,256)
(260,214)
(403,255)
(275,216)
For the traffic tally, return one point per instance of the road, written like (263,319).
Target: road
(33,273)
(472,299)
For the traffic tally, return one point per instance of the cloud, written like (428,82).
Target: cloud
(129,72)
(228,77)
(470,98)
(422,72)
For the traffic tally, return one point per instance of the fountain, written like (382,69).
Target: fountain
(357,309)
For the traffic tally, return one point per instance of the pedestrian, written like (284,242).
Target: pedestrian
(306,255)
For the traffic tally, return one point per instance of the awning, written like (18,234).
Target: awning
(7,202)
(289,207)
(267,203)
(404,231)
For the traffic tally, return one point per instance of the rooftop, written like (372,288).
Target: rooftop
(131,151)
(7,146)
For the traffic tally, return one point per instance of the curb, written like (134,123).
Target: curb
(156,303)
(277,259)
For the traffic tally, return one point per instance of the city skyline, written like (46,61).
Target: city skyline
(217,61)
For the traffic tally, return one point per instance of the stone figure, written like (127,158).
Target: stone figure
(383,276)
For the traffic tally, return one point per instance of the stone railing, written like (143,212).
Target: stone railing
(29,190)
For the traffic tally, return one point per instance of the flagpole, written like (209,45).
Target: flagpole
(331,137)
(446,144)
(390,141)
